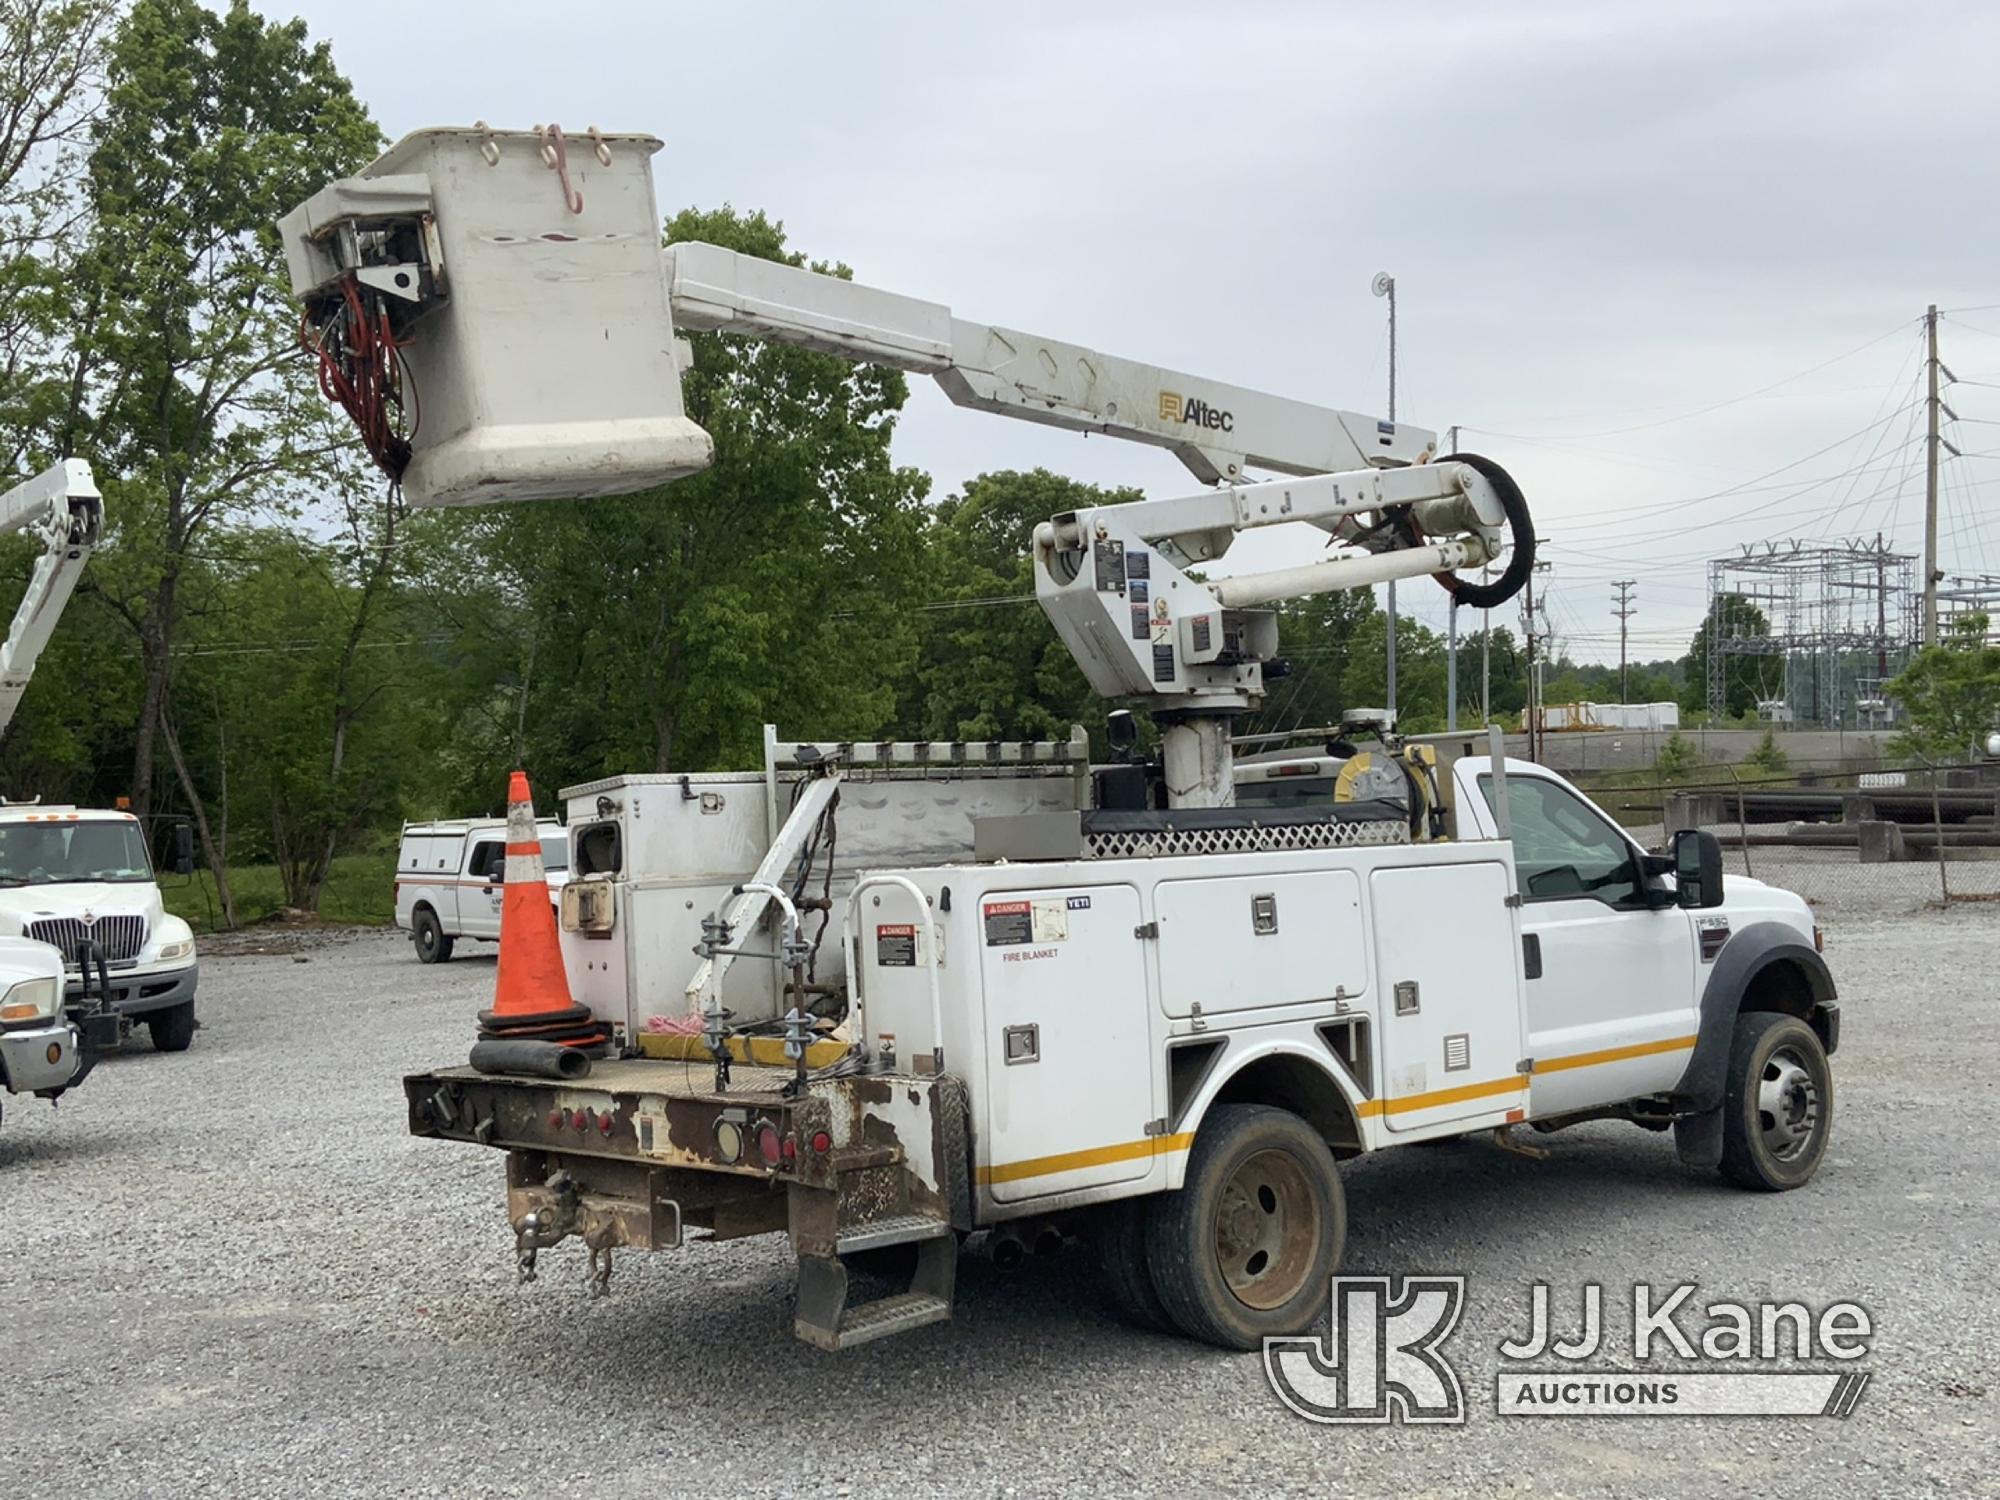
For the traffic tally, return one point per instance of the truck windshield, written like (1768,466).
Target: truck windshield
(66,853)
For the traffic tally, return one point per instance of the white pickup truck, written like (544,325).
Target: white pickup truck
(450,879)
(82,882)
(1159,1029)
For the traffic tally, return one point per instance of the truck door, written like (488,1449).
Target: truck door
(1069,1065)
(1450,993)
(480,892)
(1612,1012)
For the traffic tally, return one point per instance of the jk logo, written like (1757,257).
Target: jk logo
(1380,1361)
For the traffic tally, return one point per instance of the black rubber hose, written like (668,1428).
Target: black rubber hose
(530,1059)
(1520,557)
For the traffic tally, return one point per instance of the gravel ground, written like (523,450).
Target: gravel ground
(230,1272)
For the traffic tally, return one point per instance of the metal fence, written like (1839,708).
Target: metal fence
(1877,844)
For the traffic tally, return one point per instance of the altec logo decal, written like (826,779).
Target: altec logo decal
(1175,408)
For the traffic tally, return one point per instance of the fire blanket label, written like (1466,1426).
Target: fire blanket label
(1017,922)
(896,945)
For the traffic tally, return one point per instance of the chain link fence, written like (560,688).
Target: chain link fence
(1857,844)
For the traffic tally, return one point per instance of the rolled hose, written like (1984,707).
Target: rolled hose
(532,1059)
(1520,557)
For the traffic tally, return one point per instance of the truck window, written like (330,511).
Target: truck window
(555,852)
(489,861)
(1563,848)
(53,853)
(598,851)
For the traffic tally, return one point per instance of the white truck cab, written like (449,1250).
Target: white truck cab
(450,877)
(81,881)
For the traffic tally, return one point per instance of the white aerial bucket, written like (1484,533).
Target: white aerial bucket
(529,351)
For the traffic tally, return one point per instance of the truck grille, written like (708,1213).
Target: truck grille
(118,938)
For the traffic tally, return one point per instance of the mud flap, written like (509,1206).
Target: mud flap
(1698,1139)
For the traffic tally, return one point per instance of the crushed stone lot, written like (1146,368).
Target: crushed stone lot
(231,1272)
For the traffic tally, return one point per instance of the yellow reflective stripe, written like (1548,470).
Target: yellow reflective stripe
(1613,1054)
(1409,1102)
(1073,1161)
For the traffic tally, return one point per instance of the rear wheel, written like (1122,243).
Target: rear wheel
(1246,1249)
(1779,1108)
(1119,1236)
(172,1029)
(433,947)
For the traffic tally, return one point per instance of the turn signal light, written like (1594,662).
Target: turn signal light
(604,1124)
(19,1012)
(556,1119)
(822,1142)
(55,1053)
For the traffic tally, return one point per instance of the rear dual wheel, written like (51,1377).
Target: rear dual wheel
(1248,1246)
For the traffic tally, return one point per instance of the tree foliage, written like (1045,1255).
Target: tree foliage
(1951,693)
(1748,676)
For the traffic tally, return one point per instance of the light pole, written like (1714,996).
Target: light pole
(1384,285)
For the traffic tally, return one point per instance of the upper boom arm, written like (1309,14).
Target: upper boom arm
(60,505)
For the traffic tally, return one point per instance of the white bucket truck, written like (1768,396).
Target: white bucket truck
(1110,1001)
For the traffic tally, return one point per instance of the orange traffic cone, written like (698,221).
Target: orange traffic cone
(531,998)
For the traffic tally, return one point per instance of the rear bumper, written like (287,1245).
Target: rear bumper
(135,994)
(25,1066)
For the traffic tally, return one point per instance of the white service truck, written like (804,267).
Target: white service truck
(81,879)
(944,988)
(82,882)
(450,877)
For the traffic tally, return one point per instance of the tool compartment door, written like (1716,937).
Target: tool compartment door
(1069,1076)
(1245,942)
(1449,989)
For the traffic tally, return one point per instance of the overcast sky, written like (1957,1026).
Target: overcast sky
(1612,226)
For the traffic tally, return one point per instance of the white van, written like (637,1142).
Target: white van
(449,879)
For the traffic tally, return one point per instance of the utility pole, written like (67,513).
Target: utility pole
(1451,631)
(1625,610)
(1384,285)
(1933,444)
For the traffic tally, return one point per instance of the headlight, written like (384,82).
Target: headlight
(30,1000)
(182,949)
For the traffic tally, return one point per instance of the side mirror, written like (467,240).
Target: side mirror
(183,848)
(1697,868)
(1122,730)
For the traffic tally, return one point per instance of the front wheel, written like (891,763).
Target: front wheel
(1248,1246)
(1779,1108)
(172,1029)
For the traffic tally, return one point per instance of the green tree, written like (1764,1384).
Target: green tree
(1748,675)
(184,377)
(1951,693)
(1678,759)
(1769,757)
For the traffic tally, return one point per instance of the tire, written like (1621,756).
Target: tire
(1778,1112)
(1246,1249)
(1119,1236)
(172,1029)
(427,933)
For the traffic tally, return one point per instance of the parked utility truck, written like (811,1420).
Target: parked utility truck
(877,996)
(80,879)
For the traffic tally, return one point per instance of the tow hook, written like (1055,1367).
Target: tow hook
(540,1228)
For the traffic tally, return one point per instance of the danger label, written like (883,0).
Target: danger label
(896,945)
(1009,923)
